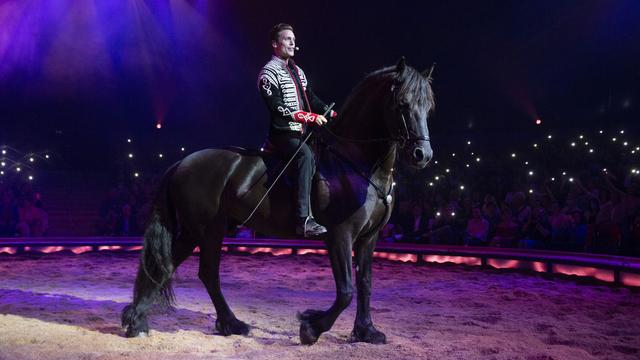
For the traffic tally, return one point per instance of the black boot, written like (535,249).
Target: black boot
(308,227)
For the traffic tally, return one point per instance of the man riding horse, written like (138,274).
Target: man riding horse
(292,105)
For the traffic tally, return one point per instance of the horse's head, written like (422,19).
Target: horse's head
(411,101)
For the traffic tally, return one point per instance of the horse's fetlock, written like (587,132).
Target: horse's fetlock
(344,299)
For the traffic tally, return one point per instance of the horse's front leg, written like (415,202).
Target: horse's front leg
(315,322)
(363,329)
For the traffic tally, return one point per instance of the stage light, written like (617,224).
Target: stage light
(392,169)
(461,187)
(393,183)
(438,213)
(158,126)
(549,136)
(513,155)
(530,191)
(453,154)
(530,173)
(136,174)
(182,149)
(621,131)
(430,184)
(437,178)
(435,162)
(468,142)
(538,121)
(18,169)
(160,156)
(477,159)
(472,153)
(31,159)
(605,169)
(570,179)
(453,213)
(129,140)
(586,143)
(535,145)
(564,173)
(46,156)
(601,131)
(447,170)
(553,179)
(581,136)
(468,165)
(1,172)
(3,164)
(614,139)
(625,143)
(573,144)
(638,148)
(4,152)
(526,163)
(30,177)
(590,150)
(130,156)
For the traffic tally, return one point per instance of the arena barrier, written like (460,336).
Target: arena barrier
(608,268)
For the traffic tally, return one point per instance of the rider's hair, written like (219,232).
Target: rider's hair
(275,31)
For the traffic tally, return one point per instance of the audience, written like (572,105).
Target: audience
(21,210)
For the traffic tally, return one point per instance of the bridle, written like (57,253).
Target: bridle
(401,138)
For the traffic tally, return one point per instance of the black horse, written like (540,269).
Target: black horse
(385,116)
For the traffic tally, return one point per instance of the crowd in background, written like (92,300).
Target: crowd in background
(580,194)
(558,196)
(125,208)
(21,210)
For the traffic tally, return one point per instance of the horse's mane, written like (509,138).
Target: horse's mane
(412,87)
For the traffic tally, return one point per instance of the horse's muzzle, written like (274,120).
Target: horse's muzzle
(420,153)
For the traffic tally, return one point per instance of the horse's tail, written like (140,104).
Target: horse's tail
(156,262)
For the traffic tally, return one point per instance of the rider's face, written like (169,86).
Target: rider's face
(285,46)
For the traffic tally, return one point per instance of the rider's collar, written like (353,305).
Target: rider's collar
(283,62)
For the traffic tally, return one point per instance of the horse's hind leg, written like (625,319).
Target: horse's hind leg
(315,322)
(363,329)
(209,273)
(146,292)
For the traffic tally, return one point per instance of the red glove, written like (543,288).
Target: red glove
(333,114)
(304,116)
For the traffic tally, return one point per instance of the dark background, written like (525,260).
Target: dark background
(80,77)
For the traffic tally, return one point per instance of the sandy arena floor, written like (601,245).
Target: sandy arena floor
(63,306)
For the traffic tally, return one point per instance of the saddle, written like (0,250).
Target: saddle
(273,163)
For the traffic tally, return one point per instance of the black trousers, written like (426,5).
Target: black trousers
(284,145)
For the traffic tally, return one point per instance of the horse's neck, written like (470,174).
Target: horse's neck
(366,122)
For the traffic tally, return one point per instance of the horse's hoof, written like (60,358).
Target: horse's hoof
(368,334)
(309,332)
(136,333)
(308,336)
(232,327)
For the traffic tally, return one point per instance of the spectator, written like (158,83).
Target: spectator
(536,231)
(507,230)
(416,225)
(32,221)
(477,229)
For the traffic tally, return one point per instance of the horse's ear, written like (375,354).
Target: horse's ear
(428,74)
(401,65)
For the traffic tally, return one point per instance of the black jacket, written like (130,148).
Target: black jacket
(285,90)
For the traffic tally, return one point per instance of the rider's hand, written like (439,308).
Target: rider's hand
(308,117)
(321,120)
